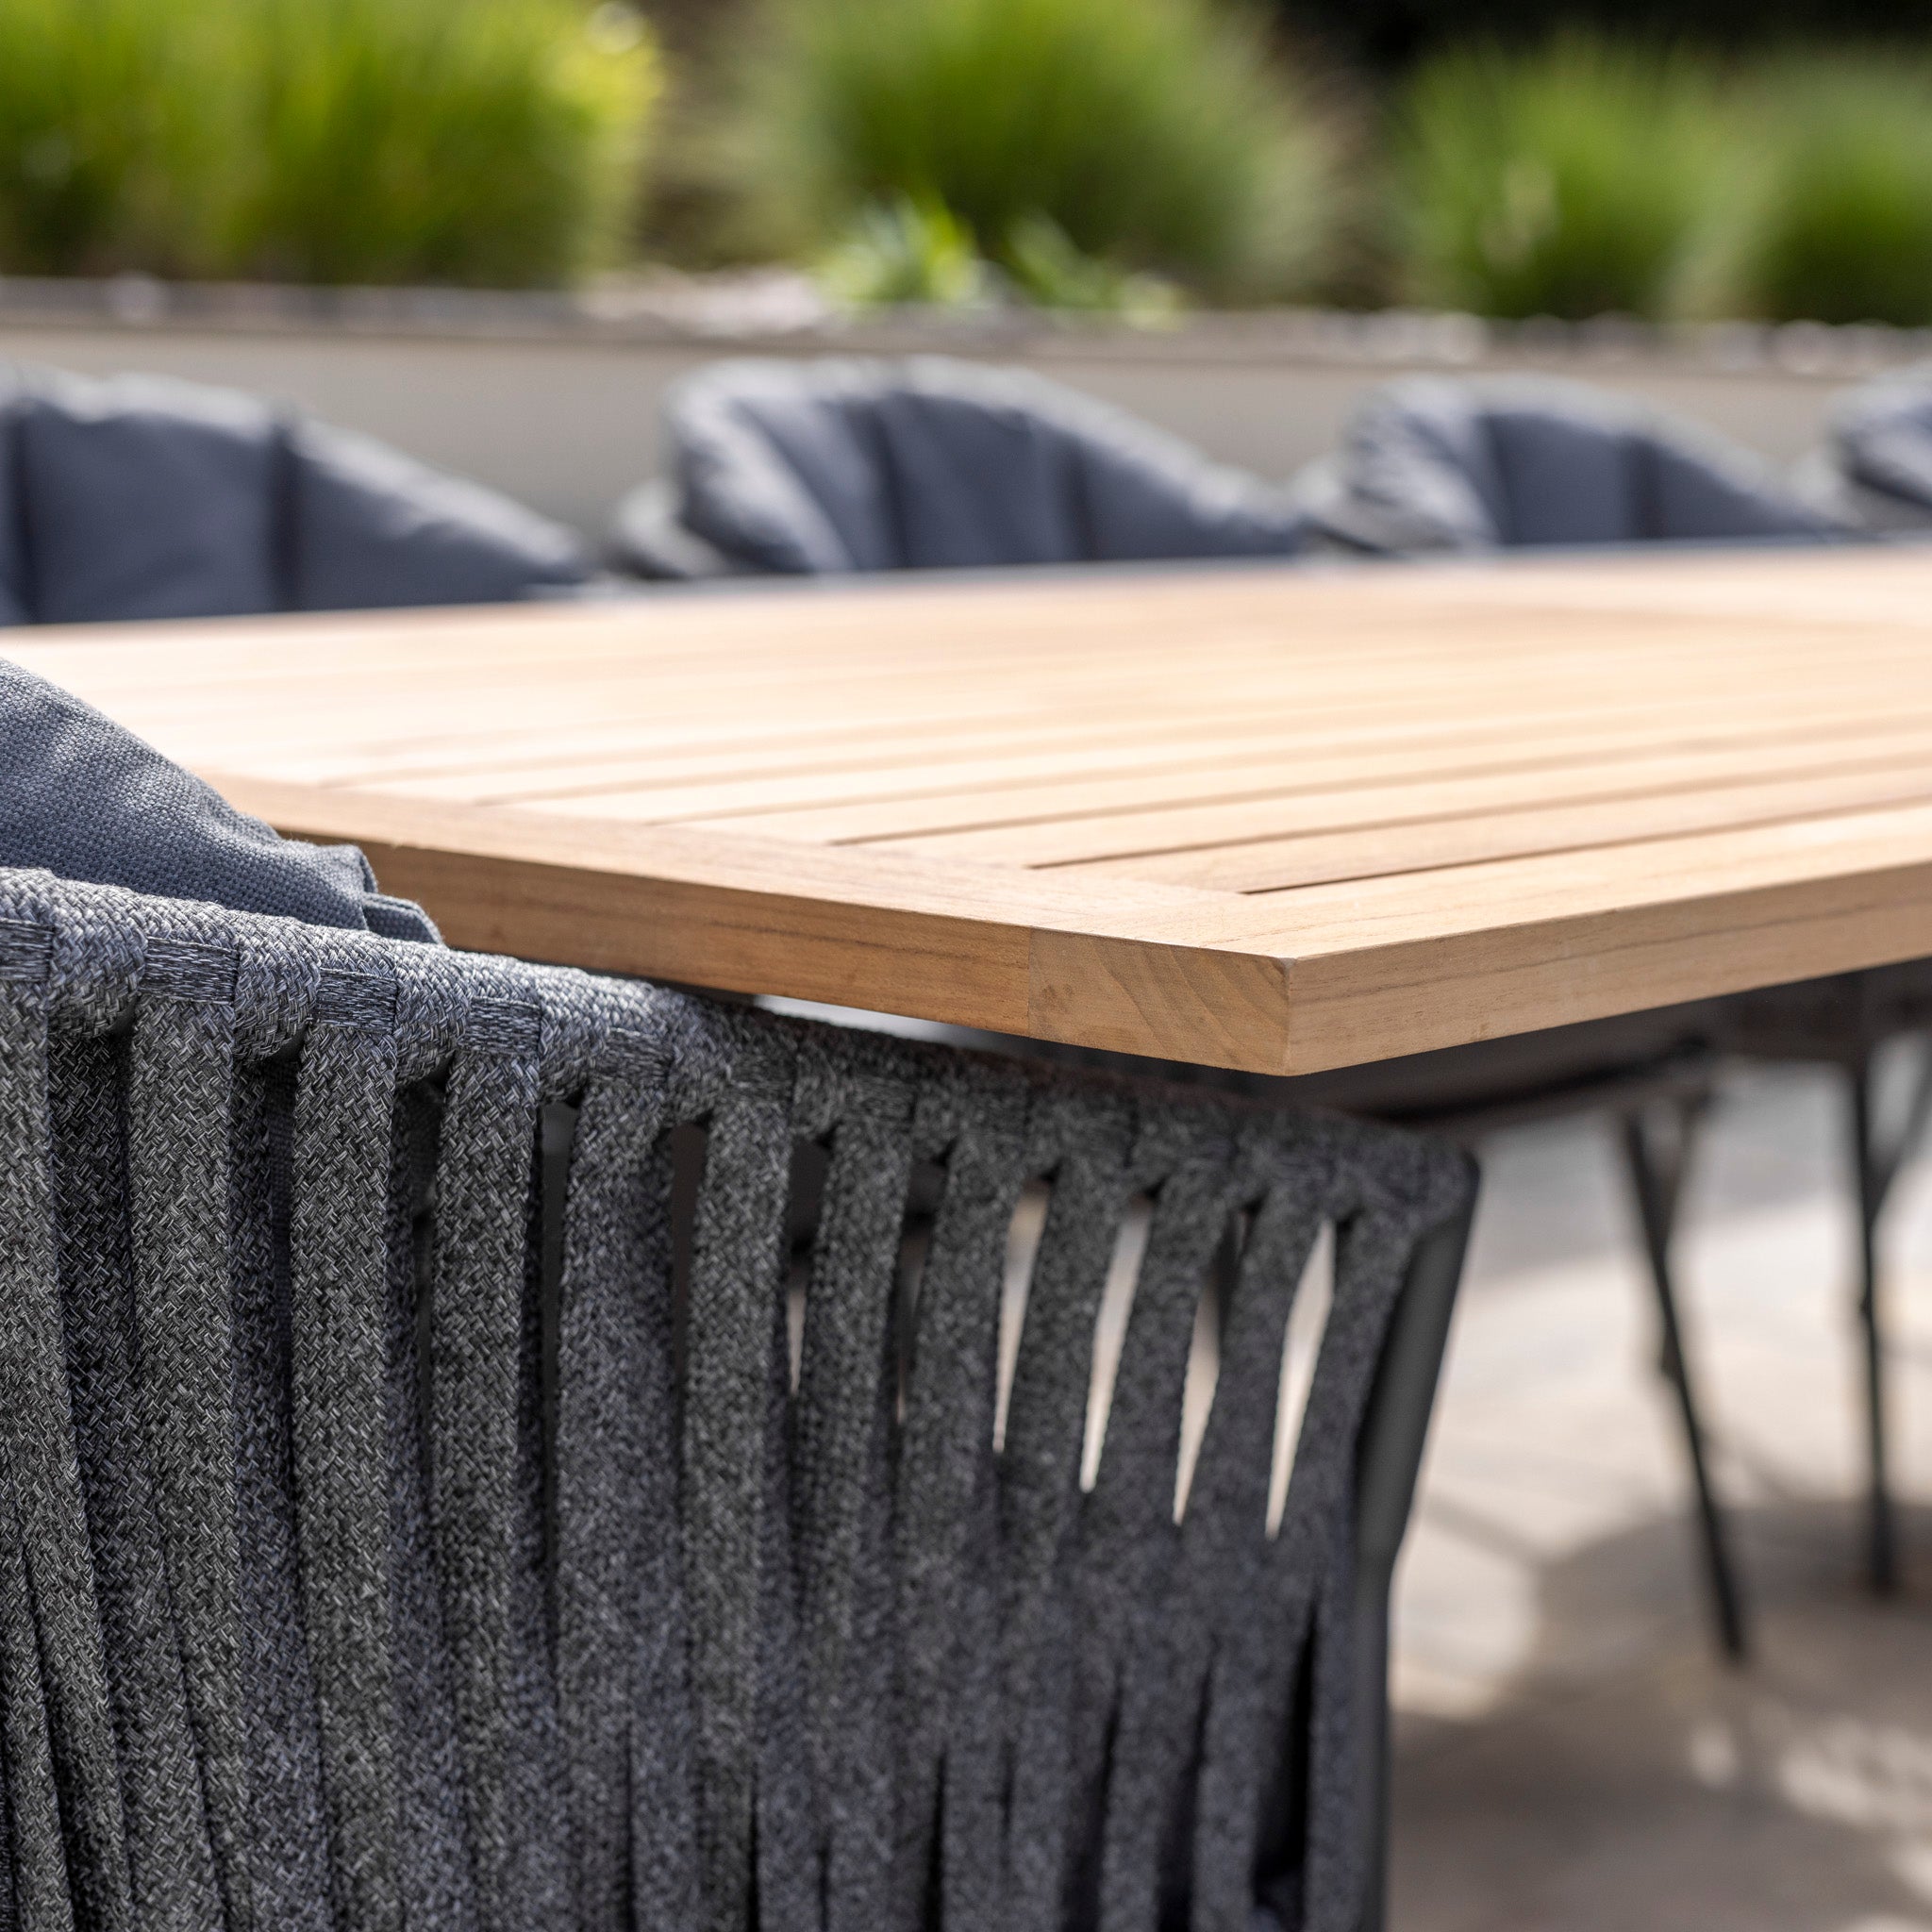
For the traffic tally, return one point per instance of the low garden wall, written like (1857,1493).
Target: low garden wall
(554,399)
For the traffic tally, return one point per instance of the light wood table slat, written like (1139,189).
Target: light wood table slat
(1244,803)
(1272,819)
(952,791)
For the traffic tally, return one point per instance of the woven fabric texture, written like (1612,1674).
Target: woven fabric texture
(489,1448)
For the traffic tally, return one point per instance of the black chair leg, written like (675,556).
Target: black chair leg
(1657,1183)
(1874,1168)
(1391,1458)
(1872,1178)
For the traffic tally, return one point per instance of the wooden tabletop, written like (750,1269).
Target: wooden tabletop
(1269,819)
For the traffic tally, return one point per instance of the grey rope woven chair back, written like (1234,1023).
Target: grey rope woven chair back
(488,1448)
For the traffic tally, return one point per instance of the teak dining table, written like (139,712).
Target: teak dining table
(1281,820)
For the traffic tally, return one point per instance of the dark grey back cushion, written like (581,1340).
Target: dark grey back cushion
(142,497)
(932,464)
(1880,451)
(86,800)
(1430,465)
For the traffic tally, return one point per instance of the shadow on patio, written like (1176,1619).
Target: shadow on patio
(1569,1752)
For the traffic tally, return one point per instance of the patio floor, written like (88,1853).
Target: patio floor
(1568,1753)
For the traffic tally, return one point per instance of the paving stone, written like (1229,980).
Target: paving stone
(1569,1750)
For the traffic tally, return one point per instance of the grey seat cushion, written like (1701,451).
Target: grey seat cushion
(86,800)
(1435,465)
(931,464)
(142,497)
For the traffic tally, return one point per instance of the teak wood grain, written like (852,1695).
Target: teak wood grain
(1274,818)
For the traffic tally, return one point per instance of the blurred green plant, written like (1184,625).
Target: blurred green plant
(920,252)
(905,251)
(1570,181)
(1831,197)
(486,141)
(106,153)
(1155,134)
(492,143)
(1045,268)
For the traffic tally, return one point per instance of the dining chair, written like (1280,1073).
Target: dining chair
(144,497)
(489,1447)
(1849,1026)
(932,463)
(1431,464)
